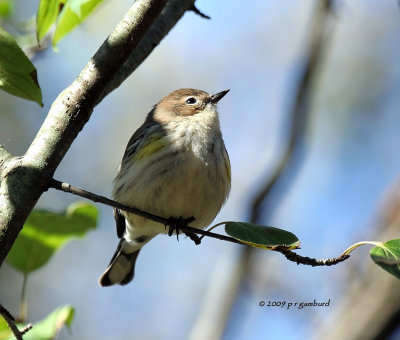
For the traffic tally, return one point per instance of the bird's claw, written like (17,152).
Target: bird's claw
(175,223)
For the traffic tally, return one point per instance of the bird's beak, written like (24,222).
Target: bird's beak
(218,96)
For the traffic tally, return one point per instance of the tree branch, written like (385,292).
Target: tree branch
(24,179)
(4,155)
(11,323)
(308,261)
(172,12)
(74,106)
(291,256)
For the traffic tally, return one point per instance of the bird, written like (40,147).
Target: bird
(174,166)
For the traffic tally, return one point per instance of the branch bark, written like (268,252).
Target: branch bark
(174,10)
(24,179)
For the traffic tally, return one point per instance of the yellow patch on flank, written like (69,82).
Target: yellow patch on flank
(152,145)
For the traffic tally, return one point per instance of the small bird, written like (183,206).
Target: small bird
(174,166)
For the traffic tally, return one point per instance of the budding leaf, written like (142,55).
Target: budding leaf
(46,16)
(387,256)
(72,14)
(261,236)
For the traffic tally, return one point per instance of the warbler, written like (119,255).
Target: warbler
(174,166)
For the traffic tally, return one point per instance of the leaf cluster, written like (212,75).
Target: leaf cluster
(18,76)
(43,234)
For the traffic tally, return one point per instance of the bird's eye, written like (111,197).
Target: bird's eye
(191,101)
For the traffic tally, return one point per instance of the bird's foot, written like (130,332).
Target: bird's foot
(176,223)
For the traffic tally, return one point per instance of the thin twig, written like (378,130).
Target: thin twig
(189,231)
(23,307)
(308,261)
(165,221)
(11,323)
(198,12)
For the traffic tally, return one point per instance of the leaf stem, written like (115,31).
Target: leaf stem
(215,226)
(23,306)
(358,244)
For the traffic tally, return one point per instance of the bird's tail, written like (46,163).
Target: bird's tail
(121,268)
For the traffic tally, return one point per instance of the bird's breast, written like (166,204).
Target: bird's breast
(189,176)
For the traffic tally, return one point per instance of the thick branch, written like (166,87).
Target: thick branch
(23,180)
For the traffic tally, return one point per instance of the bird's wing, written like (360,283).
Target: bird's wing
(119,222)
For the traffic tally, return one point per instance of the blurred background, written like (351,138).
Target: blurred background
(318,85)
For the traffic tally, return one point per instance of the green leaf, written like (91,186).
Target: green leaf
(387,256)
(6,8)
(18,76)
(46,16)
(72,14)
(45,232)
(5,332)
(48,328)
(261,236)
